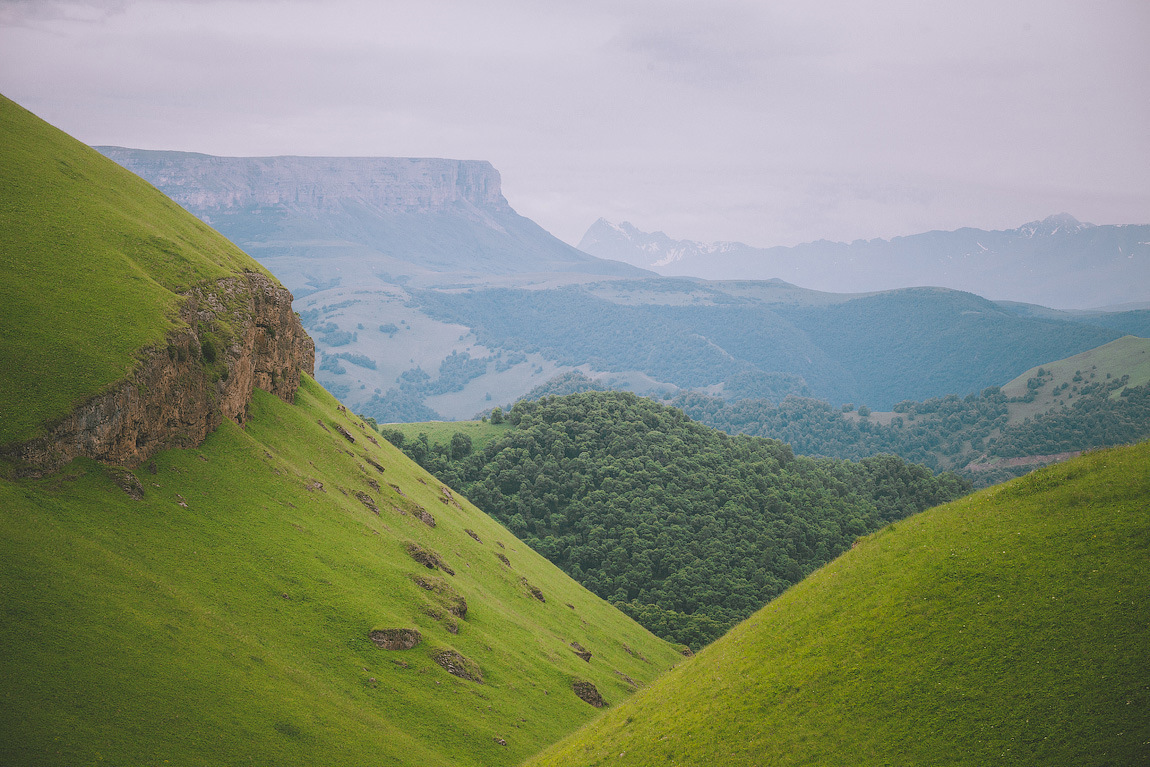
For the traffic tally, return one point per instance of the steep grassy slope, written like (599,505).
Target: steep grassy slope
(92,257)
(217,605)
(236,627)
(1007,627)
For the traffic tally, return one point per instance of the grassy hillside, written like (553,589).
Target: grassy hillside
(225,616)
(218,604)
(441,432)
(1060,381)
(1006,627)
(92,258)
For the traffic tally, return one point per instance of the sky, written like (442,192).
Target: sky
(770,123)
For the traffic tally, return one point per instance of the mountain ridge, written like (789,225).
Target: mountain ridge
(1057,261)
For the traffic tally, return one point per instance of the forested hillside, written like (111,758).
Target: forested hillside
(687,529)
(971,435)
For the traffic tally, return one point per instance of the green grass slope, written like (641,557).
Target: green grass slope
(1009,627)
(1126,356)
(92,258)
(224,618)
(441,432)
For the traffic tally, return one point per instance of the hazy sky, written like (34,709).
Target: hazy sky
(766,122)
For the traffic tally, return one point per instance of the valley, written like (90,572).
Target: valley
(690,520)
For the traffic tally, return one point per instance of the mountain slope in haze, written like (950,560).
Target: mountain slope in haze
(1059,261)
(768,339)
(404,214)
(352,236)
(1099,398)
(244,591)
(1006,627)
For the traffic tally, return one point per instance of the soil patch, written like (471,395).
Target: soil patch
(426,557)
(396,639)
(588,693)
(581,651)
(441,590)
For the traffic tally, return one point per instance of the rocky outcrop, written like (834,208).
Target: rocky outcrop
(238,334)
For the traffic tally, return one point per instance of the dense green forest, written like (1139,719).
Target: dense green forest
(686,528)
(943,433)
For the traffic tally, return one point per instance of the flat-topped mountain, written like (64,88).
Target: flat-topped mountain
(387,184)
(1059,262)
(393,215)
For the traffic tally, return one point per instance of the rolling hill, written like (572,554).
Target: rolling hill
(1007,627)
(204,559)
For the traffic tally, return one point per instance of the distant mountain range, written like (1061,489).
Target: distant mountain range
(1057,262)
(429,297)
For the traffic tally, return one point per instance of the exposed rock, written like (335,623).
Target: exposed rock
(626,678)
(237,334)
(499,741)
(457,665)
(373,484)
(374,464)
(322,424)
(588,693)
(503,559)
(532,590)
(346,434)
(424,515)
(396,639)
(367,501)
(473,534)
(581,651)
(128,482)
(444,594)
(427,557)
(634,653)
(448,497)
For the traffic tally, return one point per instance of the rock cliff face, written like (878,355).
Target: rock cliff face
(241,334)
(385,184)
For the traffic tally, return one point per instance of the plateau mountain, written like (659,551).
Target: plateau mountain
(1058,261)
(428,297)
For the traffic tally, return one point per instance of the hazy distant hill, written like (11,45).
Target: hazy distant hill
(428,297)
(1059,261)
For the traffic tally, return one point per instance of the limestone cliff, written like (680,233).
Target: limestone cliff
(237,334)
(385,184)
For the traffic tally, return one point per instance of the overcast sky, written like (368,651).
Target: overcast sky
(772,123)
